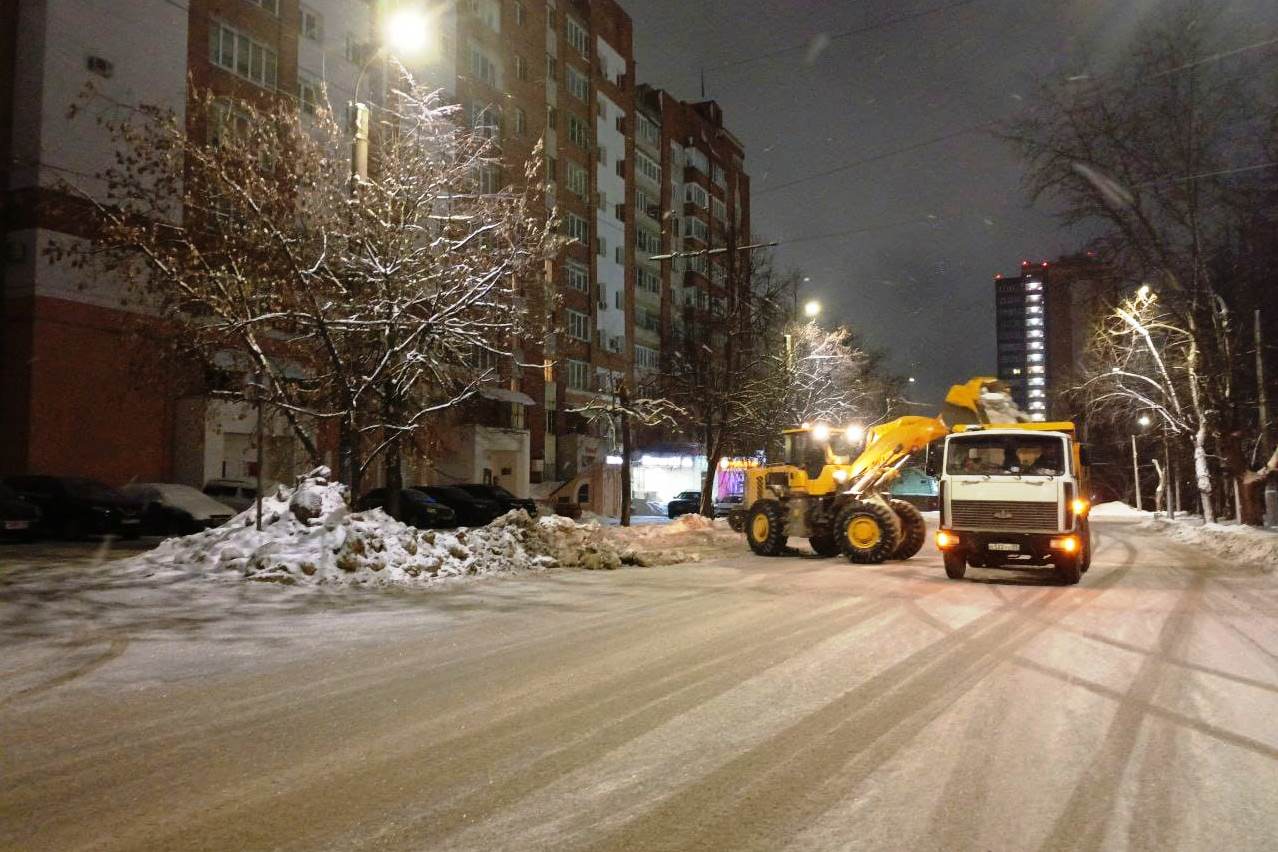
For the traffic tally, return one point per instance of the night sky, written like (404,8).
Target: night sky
(933,224)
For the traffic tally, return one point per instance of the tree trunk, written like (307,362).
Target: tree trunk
(347,464)
(1250,509)
(624,398)
(714,441)
(394,468)
(1203,473)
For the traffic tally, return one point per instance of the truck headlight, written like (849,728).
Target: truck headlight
(1068,544)
(945,540)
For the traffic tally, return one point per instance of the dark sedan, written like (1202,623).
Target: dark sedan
(471,511)
(508,502)
(685,503)
(18,518)
(73,507)
(416,508)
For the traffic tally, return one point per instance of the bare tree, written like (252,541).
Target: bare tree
(371,304)
(1155,150)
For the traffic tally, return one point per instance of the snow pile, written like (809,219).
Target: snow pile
(309,536)
(1001,408)
(685,539)
(1117,509)
(1243,545)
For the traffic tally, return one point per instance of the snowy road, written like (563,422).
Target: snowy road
(744,704)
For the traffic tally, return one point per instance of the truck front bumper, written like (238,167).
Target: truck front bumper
(1033,548)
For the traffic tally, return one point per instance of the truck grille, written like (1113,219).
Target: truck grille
(1004,515)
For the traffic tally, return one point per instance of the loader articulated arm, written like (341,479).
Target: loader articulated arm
(887,447)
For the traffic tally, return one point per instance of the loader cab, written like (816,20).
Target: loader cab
(813,447)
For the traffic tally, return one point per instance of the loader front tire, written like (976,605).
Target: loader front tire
(765,528)
(866,532)
(913,529)
(823,543)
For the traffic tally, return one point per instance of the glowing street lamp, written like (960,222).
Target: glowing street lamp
(812,309)
(405,34)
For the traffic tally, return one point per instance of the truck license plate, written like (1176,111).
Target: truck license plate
(999,545)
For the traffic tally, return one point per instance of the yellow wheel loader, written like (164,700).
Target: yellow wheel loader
(831,485)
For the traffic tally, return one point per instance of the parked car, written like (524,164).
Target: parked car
(725,506)
(239,494)
(471,511)
(172,509)
(416,508)
(73,506)
(685,503)
(18,518)
(508,502)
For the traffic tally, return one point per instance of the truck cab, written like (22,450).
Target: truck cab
(1013,496)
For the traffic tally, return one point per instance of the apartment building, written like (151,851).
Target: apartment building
(559,73)
(1043,319)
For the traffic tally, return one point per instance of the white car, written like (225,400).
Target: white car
(172,509)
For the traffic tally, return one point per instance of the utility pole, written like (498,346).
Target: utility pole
(1262,397)
(1136,471)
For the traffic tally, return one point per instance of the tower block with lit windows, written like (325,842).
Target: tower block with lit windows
(1043,317)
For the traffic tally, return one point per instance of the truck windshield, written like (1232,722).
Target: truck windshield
(1007,455)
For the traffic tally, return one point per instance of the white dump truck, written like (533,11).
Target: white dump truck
(1013,496)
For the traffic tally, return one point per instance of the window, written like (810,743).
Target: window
(521,68)
(696,229)
(485,121)
(647,131)
(578,276)
(551,71)
(312,24)
(1037,382)
(601,247)
(697,263)
(577,36)
(578,83)
(483,67)
(603,297)
(647,167)
(488,11)
(619,256)
(646,358)
(578,180)
(552,118)
(602,156)
(1037,370)
(521,17)
(696,194)
(1001,455)
(698,160)
(578,375)
(552,170)
(649,281)
(620,212)
(578,229)
(616,297)
(648,241)
(717,176)
(272,6)
(521,122)
(309,92)
(647,204)
(720,210)
(578,325)
(489,180)
(1034,322)
(356,51)
(241,55)
(648,320)
(578,132)
(603,200)
(1033,286)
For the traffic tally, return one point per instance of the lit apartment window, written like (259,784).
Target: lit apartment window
(578,229)
(578,325)
(1034,333)
(1037,382)
(1037,369)
(1034,322)
(1034,298)
(1035,356)
(312,24)
(578,276)
(578,133)
(1034,309)
(1037,393)
(578,83)
(577,36)
(241,55)
(578,180)
(1033,286)
(578,375)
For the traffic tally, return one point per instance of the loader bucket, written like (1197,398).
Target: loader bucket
(963,402)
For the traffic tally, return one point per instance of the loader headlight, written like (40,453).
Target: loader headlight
(821,432)
(856,433)
(840,475)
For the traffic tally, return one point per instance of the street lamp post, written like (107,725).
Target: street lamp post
(404,34)
(1144,423)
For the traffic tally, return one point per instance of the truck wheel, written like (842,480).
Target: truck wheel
(913,529)
(955,565)
(1069,569)
(823,543)
(1087,548)
(765,528)
(737,520)
(865,532)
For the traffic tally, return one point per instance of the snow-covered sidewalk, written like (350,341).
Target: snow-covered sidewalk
(1243,545)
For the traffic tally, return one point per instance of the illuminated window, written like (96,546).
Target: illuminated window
(1037,370)
(1037,382)
(1033,286)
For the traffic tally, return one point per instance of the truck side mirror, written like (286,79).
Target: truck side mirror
(933,465)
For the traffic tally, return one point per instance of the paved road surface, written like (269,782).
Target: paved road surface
(749,704)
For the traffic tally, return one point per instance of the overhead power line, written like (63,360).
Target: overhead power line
(855,31)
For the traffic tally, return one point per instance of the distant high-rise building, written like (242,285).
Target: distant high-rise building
(1044,318)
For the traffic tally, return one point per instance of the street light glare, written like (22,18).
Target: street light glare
(406,32)
(1144,420)
(812,309)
